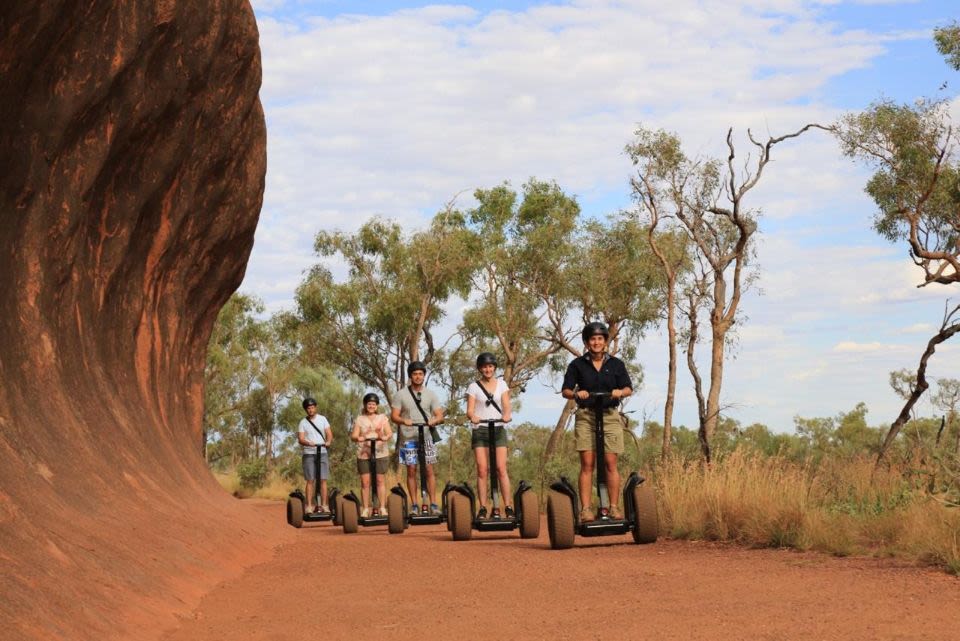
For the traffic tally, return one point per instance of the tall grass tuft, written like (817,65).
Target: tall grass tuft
(837,506)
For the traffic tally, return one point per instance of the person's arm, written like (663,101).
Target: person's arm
(327,436)
(624,384)
(302,439)
(505,400)
(471,406)
(386,433)
(438,412)
(355,432)
(570,380)
(399,420)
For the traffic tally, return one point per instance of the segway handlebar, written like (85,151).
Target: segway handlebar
(493,421)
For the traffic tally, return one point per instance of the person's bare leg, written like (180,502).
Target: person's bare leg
(505,491)
(381,491)
(481,455)
(431,484)
(587,459)
(322,499)
(412,484)
(613,478)
(365,489)
(309,506)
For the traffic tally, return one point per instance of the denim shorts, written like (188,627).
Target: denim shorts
(310,467)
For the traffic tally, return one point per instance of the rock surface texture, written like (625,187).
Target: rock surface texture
(132,162)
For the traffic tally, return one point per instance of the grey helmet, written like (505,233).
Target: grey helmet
(308,401)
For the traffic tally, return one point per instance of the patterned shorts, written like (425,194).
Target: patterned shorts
(408,452)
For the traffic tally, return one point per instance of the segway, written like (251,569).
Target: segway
(639,501)
(398,505)
(351,519)
(297,513)
(462,517)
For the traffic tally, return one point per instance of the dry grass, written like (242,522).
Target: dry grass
(839,507)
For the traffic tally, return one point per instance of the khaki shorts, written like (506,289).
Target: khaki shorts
(363,465)
(583,428)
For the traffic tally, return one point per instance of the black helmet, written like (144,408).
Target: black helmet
(415,366)
(371,397)
(486,358)
(309,401)
(594,328)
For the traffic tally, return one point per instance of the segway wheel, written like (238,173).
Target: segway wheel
(394,514)
(338,515)
(529,515)
(646,523)
(295,512)
(460,517)
(560,520)
(351,517)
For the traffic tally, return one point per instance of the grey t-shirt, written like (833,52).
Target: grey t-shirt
(314,434)
(408,409)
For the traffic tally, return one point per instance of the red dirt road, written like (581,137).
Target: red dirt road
(421,585)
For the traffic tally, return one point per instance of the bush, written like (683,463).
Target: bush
(252,474)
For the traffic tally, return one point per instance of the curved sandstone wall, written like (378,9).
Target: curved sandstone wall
(132,161)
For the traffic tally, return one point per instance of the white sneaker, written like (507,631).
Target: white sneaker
(383,511)
(365,512)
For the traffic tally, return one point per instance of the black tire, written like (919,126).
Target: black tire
(646,523)
(529,515)
(295,512)
(461,518)
(338,514)
(560,521)
(351,517)
(395,514)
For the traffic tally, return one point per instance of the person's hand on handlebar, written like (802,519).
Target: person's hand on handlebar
(582,394)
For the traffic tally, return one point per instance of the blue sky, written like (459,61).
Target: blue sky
(394,108)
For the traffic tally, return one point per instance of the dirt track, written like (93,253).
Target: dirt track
(500,587)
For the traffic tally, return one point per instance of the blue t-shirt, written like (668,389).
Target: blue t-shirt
(315,434)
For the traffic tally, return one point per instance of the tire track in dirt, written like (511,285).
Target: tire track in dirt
(422,584)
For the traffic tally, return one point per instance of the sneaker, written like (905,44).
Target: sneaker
(434,508)
(365,513)
(324,508)
(615,512)
(482,514)
(383,511)
(509,512)
(414,509)
(587,515)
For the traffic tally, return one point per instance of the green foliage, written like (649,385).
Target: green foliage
(252,473)
(381,317)
(947,40)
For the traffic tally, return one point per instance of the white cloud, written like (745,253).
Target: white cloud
(394,115)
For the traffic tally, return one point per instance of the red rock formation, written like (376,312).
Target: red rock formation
(132,160)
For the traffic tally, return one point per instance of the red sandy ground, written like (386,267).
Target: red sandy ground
(422,585)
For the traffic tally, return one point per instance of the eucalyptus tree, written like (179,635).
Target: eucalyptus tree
(721,230)
(382,314)
(912,149)
(661,188)
(230,373)
(524,248)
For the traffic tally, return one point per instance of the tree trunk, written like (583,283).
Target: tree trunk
(697,381)
(945,333)
(671,373)
(716,381)
(568,410)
